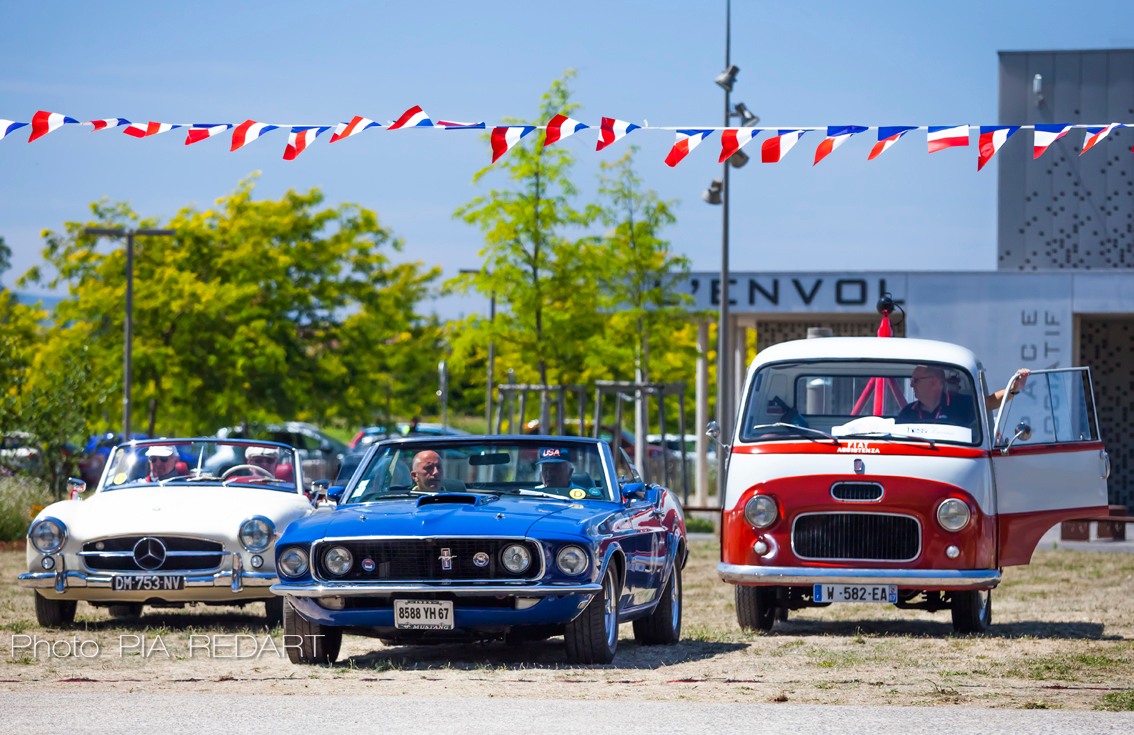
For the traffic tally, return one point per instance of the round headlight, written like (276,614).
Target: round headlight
(256,533)
(292,562)
(572,560)
(516,558)
(48,535)
(338,560)
(953,514)
(761,511)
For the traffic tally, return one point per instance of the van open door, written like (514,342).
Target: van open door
(1048,461)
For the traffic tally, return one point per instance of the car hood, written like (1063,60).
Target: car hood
(456,514)
(196,510)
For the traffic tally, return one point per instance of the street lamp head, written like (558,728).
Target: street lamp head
(747,118)
(726,78)
(738,159)
(712,195)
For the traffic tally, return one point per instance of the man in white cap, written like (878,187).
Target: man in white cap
(555,467)
(265,458)
(163,462)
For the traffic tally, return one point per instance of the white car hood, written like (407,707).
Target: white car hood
(194,510)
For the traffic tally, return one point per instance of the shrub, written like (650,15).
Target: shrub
(18,496)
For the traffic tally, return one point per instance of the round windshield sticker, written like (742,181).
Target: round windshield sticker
(595,491)
(577,493)
(120,478)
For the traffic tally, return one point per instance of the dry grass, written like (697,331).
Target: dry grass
(1062,638)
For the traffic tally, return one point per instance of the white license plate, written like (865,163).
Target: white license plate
(146,583)
(423,614)
(855,593)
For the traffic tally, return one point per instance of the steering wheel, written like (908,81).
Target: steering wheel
(256,470)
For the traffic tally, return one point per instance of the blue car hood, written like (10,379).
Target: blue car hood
(456,514)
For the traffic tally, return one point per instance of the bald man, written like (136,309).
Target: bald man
(426,472)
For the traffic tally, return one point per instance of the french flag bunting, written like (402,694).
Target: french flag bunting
(612,130)
(204,131)
(8,126)
(1096,134)
(774,149)
(248,131)
(992,137)
(452,125)
(412,118)
(941,137)
(357,124)
(733,139)
(506,136)
(44,122)
(836,136)
(888,136)
(1044,136)
(560,127)
(300,137)
(145,130)
(687,140)
(110,122)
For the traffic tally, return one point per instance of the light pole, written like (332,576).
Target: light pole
(491,357)
(127,352)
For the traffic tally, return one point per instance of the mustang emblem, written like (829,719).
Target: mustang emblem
(149,553)
(446,559)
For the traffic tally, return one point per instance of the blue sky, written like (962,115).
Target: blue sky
(801,64)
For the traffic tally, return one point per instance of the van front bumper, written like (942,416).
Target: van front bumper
(945,579)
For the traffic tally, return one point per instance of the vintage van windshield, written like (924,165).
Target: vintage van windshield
(907,401)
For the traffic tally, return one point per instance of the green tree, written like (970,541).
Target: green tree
(252,311)
(538,264)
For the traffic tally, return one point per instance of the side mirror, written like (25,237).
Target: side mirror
(75,488)
(633,491)
(335,493)
(1023,433)
(319,491)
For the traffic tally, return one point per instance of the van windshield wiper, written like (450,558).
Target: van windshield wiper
(890,435)
(795,427)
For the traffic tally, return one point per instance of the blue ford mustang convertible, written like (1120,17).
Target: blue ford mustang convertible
(445,539)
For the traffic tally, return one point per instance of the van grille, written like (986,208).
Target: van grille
(856,536)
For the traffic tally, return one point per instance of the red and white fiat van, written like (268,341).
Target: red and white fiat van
(834,494)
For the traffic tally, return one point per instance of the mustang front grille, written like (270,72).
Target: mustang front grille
(427,560)
(152,554)
(856,536)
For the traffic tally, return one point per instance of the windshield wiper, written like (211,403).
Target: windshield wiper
(795,427)
(533,493)
(890,435)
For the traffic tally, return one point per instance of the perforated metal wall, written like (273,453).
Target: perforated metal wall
(1106,345)
(1064,210)
(773,332)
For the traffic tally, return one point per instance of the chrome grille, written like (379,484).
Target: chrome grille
(856,491)
(181,554)
(856,536)
(423,560)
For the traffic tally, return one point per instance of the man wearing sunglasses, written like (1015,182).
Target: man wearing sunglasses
(933,403)
(163,462)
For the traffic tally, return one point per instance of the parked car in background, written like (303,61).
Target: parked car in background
(145,537)
(501,549)
(370,434)
(322,454)
(18,451)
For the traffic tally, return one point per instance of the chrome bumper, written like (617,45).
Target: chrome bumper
(62,579)
(957,579)
(347,589)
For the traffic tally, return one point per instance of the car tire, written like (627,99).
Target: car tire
(309,642)
(54,613)
(592,638)
(273,611)
(972,611)
(756,607)
(663,625)
(126,610)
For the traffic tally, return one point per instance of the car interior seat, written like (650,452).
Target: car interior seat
(285,472)
(582,479)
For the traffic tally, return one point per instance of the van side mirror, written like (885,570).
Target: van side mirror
(1023,433)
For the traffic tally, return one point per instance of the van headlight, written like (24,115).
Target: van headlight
(953,514)
(48,535)
(256,534)
(761,511)
(292,562)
